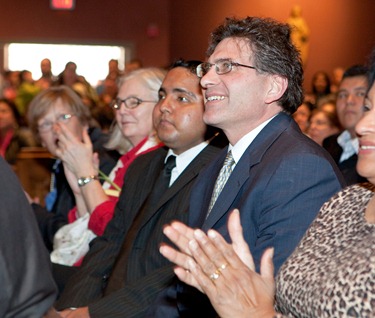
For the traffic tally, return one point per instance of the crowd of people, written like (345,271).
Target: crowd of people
(199,194)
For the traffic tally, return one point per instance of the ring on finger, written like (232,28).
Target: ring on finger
(214,276)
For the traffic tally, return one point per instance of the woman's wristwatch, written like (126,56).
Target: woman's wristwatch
(82,181)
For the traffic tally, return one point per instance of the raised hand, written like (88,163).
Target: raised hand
(76,154)
(224,272)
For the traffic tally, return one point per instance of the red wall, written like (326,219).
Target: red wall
(342,31)
(91,22)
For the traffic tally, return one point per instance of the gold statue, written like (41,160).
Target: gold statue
(300,32)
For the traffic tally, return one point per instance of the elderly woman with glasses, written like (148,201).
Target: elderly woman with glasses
(132,135)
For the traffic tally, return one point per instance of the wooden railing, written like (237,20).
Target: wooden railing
(33,168)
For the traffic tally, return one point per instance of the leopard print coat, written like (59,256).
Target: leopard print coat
(332,271)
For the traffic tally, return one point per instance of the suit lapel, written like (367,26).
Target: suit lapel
(242,171)
(190,172)
(139,198)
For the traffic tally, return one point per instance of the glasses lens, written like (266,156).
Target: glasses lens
(204,68)
(223,67)
(46,126)
(63,118)
(132,102)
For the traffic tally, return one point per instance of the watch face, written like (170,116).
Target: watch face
(85,180)
(81,181)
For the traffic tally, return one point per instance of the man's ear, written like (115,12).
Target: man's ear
(278,86)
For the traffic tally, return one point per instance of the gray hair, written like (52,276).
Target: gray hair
(152,77)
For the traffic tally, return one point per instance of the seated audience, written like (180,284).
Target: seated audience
(343,146)
(11,82)
(302,115)
(133,135)
(329,106)
(320,89)
(13,133)
(331,272)
(26,91)
(107,88)
(27,287)
(337,74)
(322,124)
(78,83)
(123,271)
(48,110)
(47,79)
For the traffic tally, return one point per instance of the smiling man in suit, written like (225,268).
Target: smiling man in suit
(124,271)
(277,177)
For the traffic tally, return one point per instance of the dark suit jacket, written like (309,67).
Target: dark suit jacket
(27,287)
(146,272)
(278,185)
(348,166)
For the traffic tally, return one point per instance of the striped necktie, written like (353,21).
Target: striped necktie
(221,180)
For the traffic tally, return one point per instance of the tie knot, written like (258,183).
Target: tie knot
(229,161)
(169,165)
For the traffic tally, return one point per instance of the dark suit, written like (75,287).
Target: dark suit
(27,287)
(348,166)
(279,185)
(134,233)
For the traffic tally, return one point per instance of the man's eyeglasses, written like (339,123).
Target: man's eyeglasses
(48,124)
(130,102)
(221,67)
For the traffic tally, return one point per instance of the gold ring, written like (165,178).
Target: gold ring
(215,275)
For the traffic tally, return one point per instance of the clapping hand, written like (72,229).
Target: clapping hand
(224,272)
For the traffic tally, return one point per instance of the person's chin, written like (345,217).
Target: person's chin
(209,117)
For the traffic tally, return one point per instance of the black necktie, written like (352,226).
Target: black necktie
(168,167)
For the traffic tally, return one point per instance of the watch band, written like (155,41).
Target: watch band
(85,180)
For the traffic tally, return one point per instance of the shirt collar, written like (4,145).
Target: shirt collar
(240,147)
(184,159)
(349,145)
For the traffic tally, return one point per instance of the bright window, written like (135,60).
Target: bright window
(92,60)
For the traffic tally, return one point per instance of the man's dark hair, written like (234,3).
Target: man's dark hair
(355,70)
(273,52)
(371,69)
(191,65)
